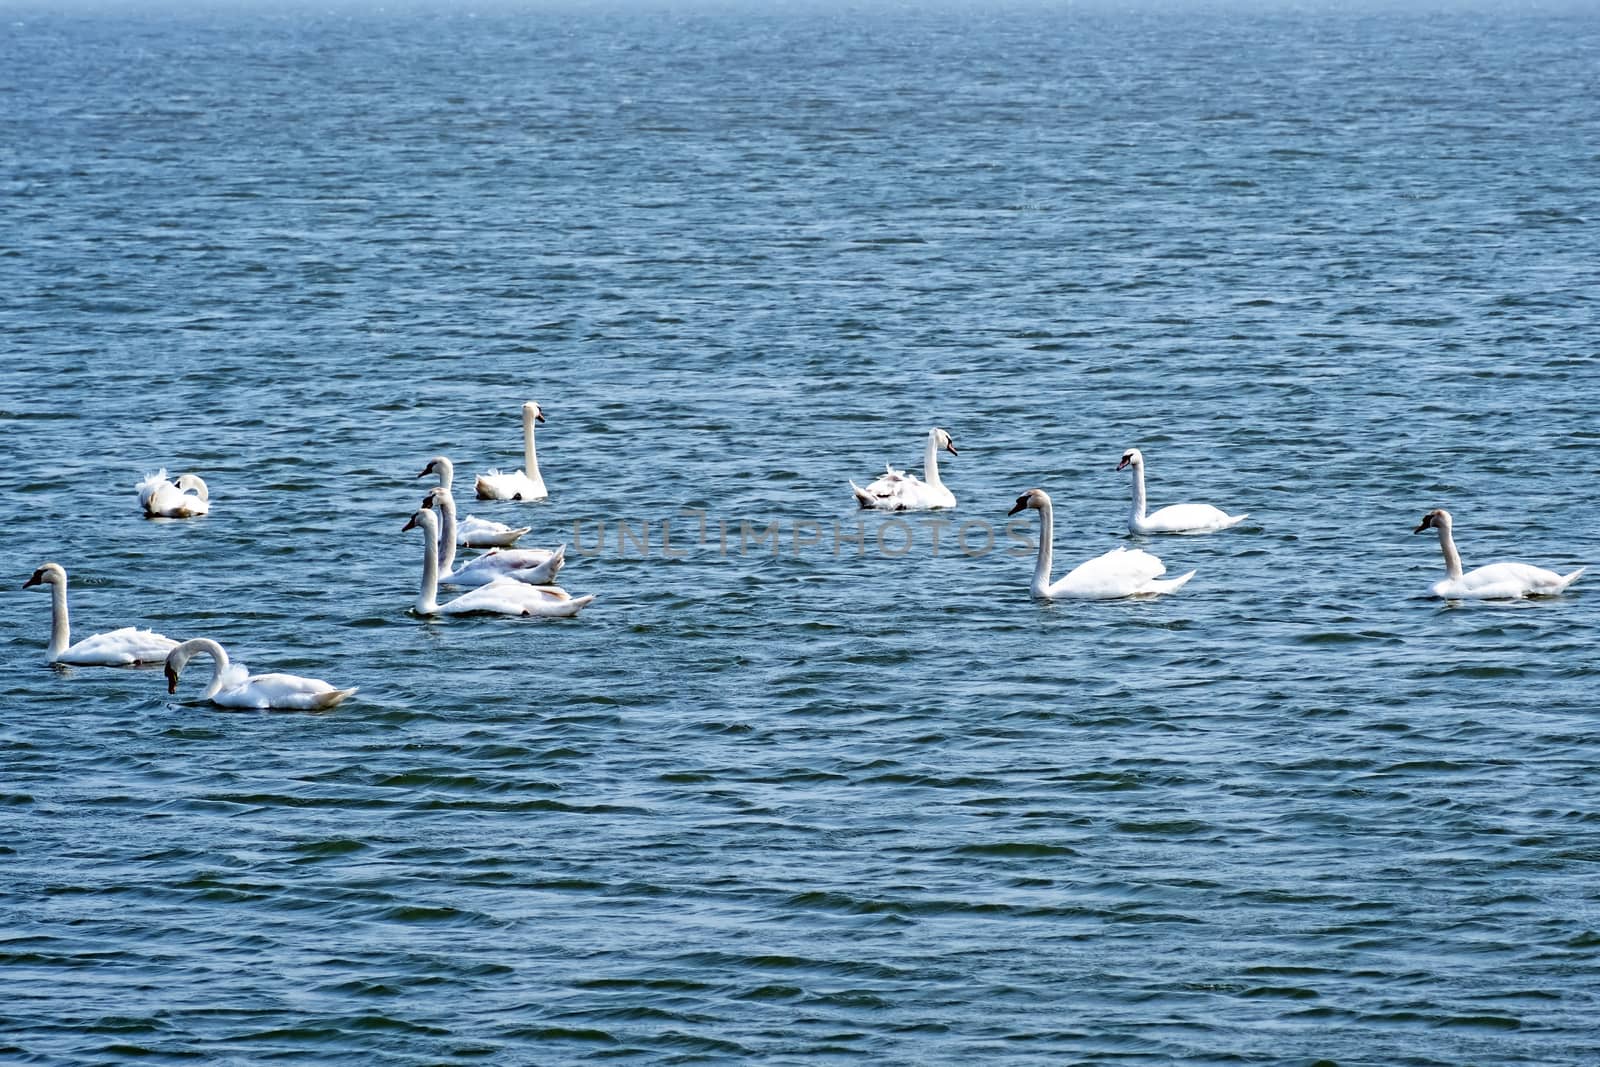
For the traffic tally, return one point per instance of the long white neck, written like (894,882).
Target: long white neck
(930,459)
(1452,558)
(1136,512)
(445,470)
(1047,536)
(530,459)
(428,598)
(60,628)
(219,661)
(445,502)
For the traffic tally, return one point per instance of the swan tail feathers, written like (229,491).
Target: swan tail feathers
(1234,520)
(1568,579)
(336,696)
(1167,585)
(863,497)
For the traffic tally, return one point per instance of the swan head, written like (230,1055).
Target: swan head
(942,440)
(177,660)
(434,496)
(51,572)
(1131,458)
(187,482)
(532,412)
(441,466)
(1437,519)
(425,519)
(1033,498)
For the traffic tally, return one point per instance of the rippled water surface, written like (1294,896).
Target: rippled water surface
(854,799)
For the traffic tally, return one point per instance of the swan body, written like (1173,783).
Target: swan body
(1496,581)
(126,647)
(1122,572)
(525,484)
(185,498)
(504,596)
(473,532)
(1174,518)
(896,490)
(232,686)
(531,565)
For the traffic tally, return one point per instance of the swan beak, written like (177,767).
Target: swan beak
(1022,502)
(1121,465)
(951,448)
(426,471)
(1427,521)
(35,580)
(172,680)
(411,524)
(538,416)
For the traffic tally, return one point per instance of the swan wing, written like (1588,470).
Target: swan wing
(516,486)
(119,648)
(150,485)
(510,597)
(289,692)
(1187,518)
(1118,573)
(904,492)
(1505,581)
(474,532)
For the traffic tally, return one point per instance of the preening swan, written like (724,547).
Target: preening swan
(473,532)
(118,648)
(1497,581)
(234,687)
(183,499)
(1174,518)
(1119,573)
(532,565)
(526,484)
(501,597)
(899,491)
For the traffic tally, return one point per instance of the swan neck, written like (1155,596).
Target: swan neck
(1047,531)
(194,647)
(1136,512)
(530,458)
(60,627)
(930,460)
(1452,558)
(428,598)
(446,550)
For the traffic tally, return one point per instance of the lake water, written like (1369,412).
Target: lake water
(843,801)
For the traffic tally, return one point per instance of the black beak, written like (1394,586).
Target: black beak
(426,471)
(1022,502)
(31,581)
(172,680)
(1427,521)
(1123,464)
(410,524)
(951,448)
(538,416)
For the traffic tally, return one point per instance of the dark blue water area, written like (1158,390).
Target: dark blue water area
(800,786)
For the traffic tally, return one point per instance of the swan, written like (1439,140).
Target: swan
(473,532)
(1174,518)
(899,491)
(518,486)
(532,565)
(1118,573)
(234,687)
(183,499)
(501,597)
(117,648)
(1497,581)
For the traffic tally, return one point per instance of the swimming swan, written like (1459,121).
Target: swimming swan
(532,565)
(1174,518)
(1497,581)
(520,485)
(501,597)
(899,491)
(118,648)
(183,499)
(1121,572)
(473,532)
(234,687)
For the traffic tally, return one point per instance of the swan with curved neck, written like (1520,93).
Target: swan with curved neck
(183,499)
(896,490)
(1119,573)
(1174,518)
(232,686)
(1496,581)
(126,647)
(532,565)
(503,596)
(472,532)
(526,484)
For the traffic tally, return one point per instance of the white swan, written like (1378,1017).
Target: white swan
(899,491)
(473,532)
(1119,573)
(1497,581)
(234,687)
(118,648)
(534,566)
(501,597)
(183,499)
(1174,518)
(526,484)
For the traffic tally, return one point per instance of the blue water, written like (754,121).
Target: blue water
(842,802)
